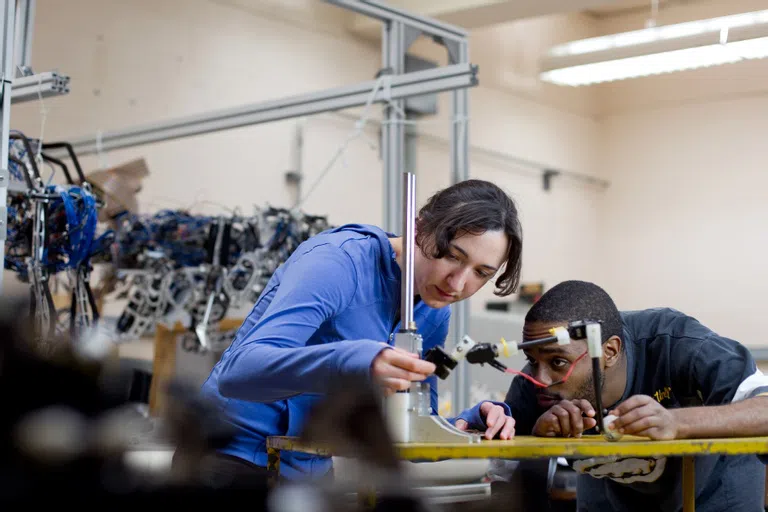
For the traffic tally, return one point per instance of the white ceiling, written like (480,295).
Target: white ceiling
(474,14)
(621,7)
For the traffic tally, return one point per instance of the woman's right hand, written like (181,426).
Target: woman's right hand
(394,369)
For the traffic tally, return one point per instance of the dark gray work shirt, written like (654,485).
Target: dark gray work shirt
(675,359)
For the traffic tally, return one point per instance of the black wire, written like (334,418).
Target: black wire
(72,156)
(598,391)
(61,164)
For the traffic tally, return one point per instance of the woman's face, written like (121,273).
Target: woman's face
(471,261)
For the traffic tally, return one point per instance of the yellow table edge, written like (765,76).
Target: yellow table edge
(526,447)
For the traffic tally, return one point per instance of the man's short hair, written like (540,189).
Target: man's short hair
(577,300)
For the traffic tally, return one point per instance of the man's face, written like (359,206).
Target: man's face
(550,363)
(472,261)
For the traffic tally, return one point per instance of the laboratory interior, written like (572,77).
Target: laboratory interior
(535,234)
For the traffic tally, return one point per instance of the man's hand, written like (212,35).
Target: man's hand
(496,422)
(641,415)
(394,369)
(565,419)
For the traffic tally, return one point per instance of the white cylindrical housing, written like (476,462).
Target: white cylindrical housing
(397,412)
(594,340)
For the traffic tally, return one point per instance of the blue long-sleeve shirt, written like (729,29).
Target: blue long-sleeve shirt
(324,313)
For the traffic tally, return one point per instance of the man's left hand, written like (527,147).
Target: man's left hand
(496,421)
(641,415)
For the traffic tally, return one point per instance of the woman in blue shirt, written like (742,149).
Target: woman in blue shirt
(331,309)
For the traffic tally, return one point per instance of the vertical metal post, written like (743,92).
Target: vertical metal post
(393,132)
(460,172)
(411,145)
(25,24)
(6,54)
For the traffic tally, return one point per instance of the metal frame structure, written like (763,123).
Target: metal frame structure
(7,22)
(16,22)
(400,29)
(412,84)
(42,85)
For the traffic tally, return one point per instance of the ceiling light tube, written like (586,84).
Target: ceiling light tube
(656,50)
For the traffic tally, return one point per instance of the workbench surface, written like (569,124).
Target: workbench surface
(526,447)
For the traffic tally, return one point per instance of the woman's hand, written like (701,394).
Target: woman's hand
(496,422)
(394,369)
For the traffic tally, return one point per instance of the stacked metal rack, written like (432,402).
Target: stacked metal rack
(400,29)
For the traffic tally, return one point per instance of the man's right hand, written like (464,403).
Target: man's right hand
(394,369)
(565,419)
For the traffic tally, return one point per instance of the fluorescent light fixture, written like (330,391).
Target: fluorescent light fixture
(657,50)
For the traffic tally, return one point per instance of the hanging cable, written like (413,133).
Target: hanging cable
(354,134)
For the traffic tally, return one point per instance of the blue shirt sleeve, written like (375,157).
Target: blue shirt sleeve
(272,360)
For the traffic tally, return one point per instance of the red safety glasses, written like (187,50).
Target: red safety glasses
(542,385)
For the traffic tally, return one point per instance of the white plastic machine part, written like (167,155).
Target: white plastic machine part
(594,340)
(563,338)
(504,348)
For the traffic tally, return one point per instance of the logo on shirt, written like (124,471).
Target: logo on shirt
(623,471)
(663,394)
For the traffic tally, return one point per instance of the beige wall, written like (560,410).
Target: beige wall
(684,222)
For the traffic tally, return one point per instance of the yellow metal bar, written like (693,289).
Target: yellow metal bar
(527,447)
(273,465)
(689,483)
(292,444)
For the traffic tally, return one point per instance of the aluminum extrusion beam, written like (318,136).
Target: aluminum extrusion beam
(33,87)
(393,49)
(7,23)
(35,93)
(402,86)
(460,172)
(383,12)
(39,78)
(24,30)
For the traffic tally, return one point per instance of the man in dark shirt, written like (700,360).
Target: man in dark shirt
(666,376)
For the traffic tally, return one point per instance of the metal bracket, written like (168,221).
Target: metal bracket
(453,47)
(547,176)
(410,35)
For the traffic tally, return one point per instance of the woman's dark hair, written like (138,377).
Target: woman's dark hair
(472,207)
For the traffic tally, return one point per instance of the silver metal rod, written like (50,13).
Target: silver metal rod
(428,26)
(402,86)
(409,244)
